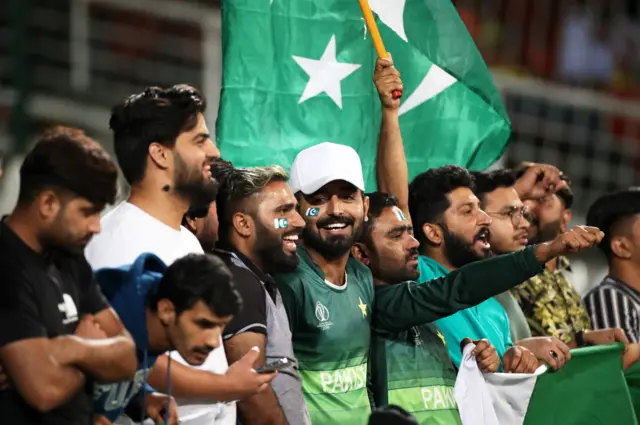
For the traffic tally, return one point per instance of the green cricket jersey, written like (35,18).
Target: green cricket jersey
(331,333)
(331,336)
(413,369)
(410,364)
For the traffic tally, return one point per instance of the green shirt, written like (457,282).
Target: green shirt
(410,365)
(331,336)
(413,369)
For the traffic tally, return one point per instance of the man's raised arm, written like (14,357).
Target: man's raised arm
(392,172)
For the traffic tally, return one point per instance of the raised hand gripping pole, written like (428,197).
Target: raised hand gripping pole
(375,35)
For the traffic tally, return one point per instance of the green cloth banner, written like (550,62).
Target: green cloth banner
(299,72)
(632,375)
(589,390)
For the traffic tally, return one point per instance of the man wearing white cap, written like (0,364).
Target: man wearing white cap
(329,298)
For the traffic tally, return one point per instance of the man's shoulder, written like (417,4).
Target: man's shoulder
(610,285)
(360,272)
(429,269)
(242,275)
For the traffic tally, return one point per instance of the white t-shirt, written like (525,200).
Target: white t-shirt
(127,232)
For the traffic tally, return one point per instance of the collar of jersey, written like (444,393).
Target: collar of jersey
(434,265)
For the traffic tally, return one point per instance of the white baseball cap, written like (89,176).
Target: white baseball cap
(321,164)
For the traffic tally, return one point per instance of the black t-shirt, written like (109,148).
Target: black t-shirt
(251,283)
(43,296)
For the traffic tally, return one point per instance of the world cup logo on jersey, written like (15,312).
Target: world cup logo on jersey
(322,314)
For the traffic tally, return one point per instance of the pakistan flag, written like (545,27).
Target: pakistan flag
(299,72)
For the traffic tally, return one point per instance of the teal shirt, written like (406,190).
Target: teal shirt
(486,320)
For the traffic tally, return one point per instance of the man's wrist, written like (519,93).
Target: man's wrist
(543,252)
(390,112)
(68,350)
(580,341)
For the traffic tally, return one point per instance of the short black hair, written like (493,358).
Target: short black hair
(565,194)
(378,201)
(198,277)
(195,212)
(428,194)
(610,209)
(487,182)
(66,159)
(155,115)
(238,184)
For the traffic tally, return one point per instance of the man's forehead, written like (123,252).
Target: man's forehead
(461,196)
(276,191)
(201,311)
(392,217)
(502,197)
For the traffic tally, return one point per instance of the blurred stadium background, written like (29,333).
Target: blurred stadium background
(568,71)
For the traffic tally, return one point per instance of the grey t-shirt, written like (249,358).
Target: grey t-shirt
(517,321)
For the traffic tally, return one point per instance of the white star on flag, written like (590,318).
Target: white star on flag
(435,82)
(325,74)
(391,13)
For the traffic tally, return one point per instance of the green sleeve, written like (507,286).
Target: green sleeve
(399,307)
(291,299)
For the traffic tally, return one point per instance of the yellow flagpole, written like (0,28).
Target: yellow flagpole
(375,35)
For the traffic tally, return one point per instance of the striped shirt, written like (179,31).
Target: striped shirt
(614,304)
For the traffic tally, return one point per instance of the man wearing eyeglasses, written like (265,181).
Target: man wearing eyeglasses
(500,198)
(549,301)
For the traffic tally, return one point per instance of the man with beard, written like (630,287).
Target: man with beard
(329,298)
(202,221)
(455,232)
(56,329)
(551,304)
(258,232)
(390,250)
(499,199)
(165,152)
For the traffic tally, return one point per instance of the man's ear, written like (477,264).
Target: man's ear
(566,219)
(243,224)
(49,205)
(433,233)
(160,155)
(621,247)
(166,312)
(190,224)
(366,208)
(360,253)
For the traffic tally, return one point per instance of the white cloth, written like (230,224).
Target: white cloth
(127,231)
(492,398)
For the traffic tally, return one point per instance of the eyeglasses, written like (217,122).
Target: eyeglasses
(515,214)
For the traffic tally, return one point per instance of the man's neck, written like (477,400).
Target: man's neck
(627,273)
(334,270)
(439,257)
(167,207)
(379,282)
(19,223)
(245,250)
(157,334)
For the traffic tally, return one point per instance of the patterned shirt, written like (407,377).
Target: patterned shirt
(551,304)
(614,304)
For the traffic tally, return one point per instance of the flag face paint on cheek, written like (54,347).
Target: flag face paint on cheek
(313,212)
(280,223)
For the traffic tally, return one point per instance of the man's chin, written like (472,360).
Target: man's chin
(482,253)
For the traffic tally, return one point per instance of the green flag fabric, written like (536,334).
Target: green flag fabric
(299,72)
(632,375)
(589,390)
